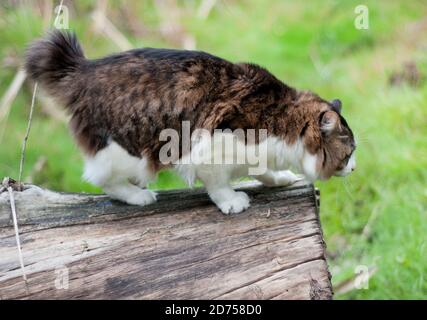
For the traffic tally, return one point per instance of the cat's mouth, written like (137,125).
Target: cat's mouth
(342,173)
(349,168)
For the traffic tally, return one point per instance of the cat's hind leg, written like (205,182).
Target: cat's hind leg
(121,175)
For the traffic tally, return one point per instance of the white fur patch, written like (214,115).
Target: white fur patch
(283,156)
(309,164)
(114,164)
(113,169)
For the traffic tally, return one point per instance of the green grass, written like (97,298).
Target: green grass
(378,216)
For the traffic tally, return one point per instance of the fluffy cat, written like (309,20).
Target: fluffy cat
(120,105)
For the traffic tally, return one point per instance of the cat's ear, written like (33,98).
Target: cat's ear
(336,105)
(328,122)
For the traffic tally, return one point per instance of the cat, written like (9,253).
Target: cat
(121,104)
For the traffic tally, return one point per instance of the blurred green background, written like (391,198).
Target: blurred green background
(377,217)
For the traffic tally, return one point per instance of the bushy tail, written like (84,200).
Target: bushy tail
(53,61)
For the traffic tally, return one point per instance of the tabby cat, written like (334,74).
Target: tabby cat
(120,106)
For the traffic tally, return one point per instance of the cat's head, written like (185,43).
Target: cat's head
(327,138)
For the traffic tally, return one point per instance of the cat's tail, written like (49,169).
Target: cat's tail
(53,61)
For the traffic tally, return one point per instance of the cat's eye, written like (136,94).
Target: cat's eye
(347,157)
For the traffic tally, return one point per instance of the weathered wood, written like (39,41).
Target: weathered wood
(180,247)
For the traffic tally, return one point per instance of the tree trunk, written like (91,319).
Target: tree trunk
(88,246)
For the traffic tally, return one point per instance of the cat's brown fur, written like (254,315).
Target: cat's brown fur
(132,96)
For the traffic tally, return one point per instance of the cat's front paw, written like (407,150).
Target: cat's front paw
(141,198)
(238,203)
(285,178)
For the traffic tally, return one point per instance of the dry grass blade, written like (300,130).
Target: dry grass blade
(205,8)
(50,108)
(171,27)
(11,93)
(27,133)
(15,225)
(104,25)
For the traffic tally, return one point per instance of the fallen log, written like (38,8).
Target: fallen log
(88,246)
